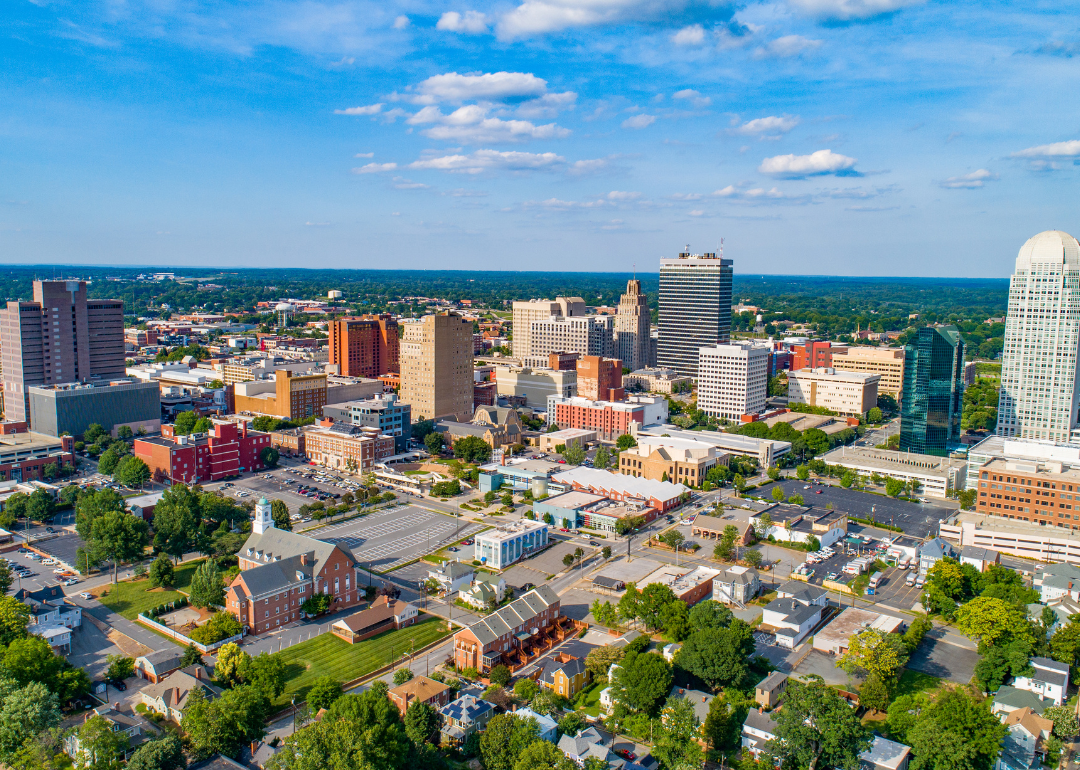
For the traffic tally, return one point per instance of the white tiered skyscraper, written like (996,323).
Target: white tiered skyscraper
(1039,395)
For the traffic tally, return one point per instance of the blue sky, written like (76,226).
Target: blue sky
(859,137)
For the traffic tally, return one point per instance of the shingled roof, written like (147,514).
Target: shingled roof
(277,543)
(519,612)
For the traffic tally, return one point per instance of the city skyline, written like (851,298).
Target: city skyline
(862,138)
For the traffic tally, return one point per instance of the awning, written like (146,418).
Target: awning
(523,636)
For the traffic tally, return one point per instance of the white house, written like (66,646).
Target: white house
(452,576)
(797,524)
(736,585)
(933,551)
(758,729)
(169,697)
(485,589)
(1050,680)
(1057,580)
(58,637)
(790,620)
(1023,747)
(979,558)
(136,728)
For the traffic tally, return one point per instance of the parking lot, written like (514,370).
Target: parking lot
(894,591)
(389,538)
(40,574)
(942,658)
(918,519)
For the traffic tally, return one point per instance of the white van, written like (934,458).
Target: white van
(910,580)
(875,580)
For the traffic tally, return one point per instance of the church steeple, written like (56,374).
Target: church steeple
(263,519)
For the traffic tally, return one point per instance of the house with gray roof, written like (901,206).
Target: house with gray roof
(452,575)
(802,592)
(1057,580)
(519,631)
(758,728)
(979,558)
(1008,699)
(548,727)
(736,585)
(463,717)
(169,697)
(790,620)
(698,699)
(136,728)
(769,690)
(587,743)
(1048,679)
(155,666)
(933,551)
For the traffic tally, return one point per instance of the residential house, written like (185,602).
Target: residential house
(512,635)
(790,620)
(798,523)
(933,551)
(486,590)
(58,637)
(548,727)
(770,690)
(606,702)
(1009,699)
(452,576)
(805,593)
(169,697)
(670,651)
(1057,580)
(48,607)
(587,743)
(383,614)
(758,728)
(979,558)
(155,666)
(736,585)
(419,689)
(564,675)
(1050,679)
(463,717)
(135,728)
(884,754)
(701,701)
(1023,747)
(1063,607)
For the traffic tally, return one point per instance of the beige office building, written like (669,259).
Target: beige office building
(540,310)
(632,327)
(535,385)
(888,362)
(436,357)
(851,394)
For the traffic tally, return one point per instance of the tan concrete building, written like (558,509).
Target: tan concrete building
(535,385)
(540,310)
(851,394)
(888,362)
(436,359)
(677,460)
(656,380)
(632,321)
(289,396)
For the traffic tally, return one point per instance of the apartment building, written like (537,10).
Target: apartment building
(258,368)
(585,336)
(61,336)
(610,419)
(733,379)
(511,635)
(385,412)
(695,309)
(850,394)
(1046,494)
(280,570)
(289,396)
(600,378)
(671,459)
(540,310)
(888,362)
(227,450)
(814,354)
(436,358)
(656,380)
(364,347)
(531,387)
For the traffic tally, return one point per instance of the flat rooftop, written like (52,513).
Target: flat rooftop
(892,462)
(629,571)
(679,579)
(730,442)
(850,622)
(573,500)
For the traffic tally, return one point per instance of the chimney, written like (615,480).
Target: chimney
(303,559)
(254,747)
(198,672)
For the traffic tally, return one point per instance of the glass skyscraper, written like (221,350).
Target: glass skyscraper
(695,309)
(933,391)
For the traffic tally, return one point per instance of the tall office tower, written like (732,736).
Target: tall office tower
(1040,366)
(586,335)
(933,391)
(732,380)
(540,310)
(436,357)
(632,327)
(365,346)
(695,309)
(59,337)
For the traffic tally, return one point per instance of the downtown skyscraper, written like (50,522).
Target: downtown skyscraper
(1039,396)
(695,309)
(933,391)
(632,320)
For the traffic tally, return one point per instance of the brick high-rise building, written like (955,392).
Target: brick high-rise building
(365,346)
(437,366)
(632,327)
(61,336)
(600,379)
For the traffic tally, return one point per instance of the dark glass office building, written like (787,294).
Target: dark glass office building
(933,391)
(695,309)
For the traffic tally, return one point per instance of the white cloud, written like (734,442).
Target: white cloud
(547,106)
(401,22)
(639,121)
(489,160)
(364,155)
(556,204)
(693,97)
(581,167)
(773,125)
(401,183)
(488,86)
(697,213)
(619,195)
(375,168)
(692,35)
(815,164)
(1069,149)
(371,109)
(786,47)
(533,17)
(472,22)
(685,197)
(970,181)
(850,10)
(472,125)
(731,191)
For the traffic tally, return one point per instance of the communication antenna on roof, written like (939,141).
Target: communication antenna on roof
(721,248)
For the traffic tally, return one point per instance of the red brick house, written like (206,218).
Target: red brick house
(512,635)
(419,689)
(227,450)
(281,570)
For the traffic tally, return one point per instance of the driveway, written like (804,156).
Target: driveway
(942,655)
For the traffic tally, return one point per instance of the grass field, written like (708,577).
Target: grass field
(328,655)
(131,597)
(912,682)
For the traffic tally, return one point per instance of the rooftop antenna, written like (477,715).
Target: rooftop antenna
(721,248)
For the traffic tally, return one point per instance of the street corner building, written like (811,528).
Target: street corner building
(227,449)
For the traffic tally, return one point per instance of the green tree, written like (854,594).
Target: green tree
(224,725)
(269,457)
(14,617)
(989,621)
(1000,662)
(472,449)
(499,675)
(874,415)
(184,423)
(125,432)
(324,691)
(763,526)
(802,472)
(654,599)
(709,614)
(266,673)
(364,736)
(542,755)
(874,652)
(796,499)
(1065,722)
(164,753)
(723,724)
(41,506)
(207,585)
(752,557)
(24,713)
(422,720)
(675,620)
(176,519)
(279,512)
(630,604)
(874,693)
(132,472)
(574,454)
(94,433)
(718,656)
(191,657)
(402,675)
(110,458)
(120,667)
(778,494)
(99,746)
(1065,645)
(232,663)
(673,539)
(525,689)
(676,745)
(955,732)
(5,578)
(642,682)
(505,738)
(118,537)
(625,441)
(816,727)
(602,458)
(433,442)
(893,487)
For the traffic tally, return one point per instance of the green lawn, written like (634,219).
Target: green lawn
(912,682)
(131,597)
(328,655)
(590,704)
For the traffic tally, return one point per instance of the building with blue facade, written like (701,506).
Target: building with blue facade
(508,543)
